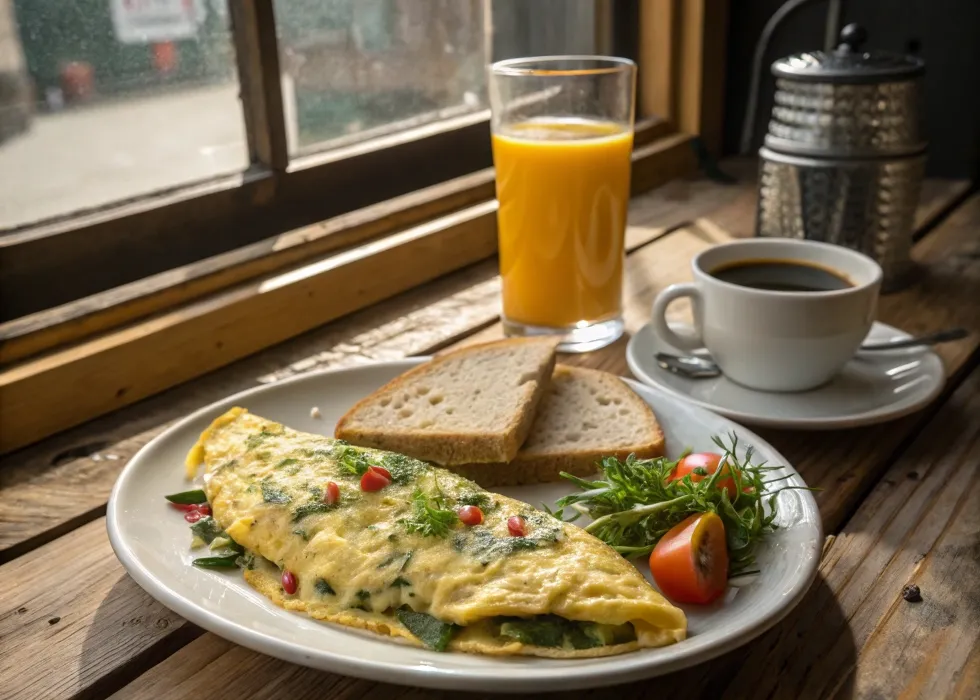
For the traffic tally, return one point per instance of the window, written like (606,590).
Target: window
(172,167)
(106,101)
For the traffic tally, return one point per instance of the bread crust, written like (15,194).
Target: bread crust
(532,467)
(447,447)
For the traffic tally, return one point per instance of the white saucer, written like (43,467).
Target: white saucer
(872,388)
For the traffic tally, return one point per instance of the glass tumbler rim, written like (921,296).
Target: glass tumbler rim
(531,65)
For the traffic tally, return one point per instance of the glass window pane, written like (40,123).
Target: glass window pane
(359,69)
(106,100)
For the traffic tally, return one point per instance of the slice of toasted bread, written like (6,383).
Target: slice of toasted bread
(585,415)
(471,405)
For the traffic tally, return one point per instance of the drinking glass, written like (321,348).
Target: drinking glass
(562,130)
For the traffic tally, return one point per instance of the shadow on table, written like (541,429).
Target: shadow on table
(129,633)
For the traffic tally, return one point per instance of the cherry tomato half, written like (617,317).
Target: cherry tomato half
(375,479)
(331,494)
(690,562)
(708,461)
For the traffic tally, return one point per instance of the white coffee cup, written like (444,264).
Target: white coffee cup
(776,340)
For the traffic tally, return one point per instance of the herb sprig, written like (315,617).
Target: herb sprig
(430,518)
(635,505)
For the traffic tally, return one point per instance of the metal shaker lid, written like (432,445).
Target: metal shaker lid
(848,64)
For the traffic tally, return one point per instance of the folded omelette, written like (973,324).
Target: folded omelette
(399,562)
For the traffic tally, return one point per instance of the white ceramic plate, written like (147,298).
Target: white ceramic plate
(872,388)
(151,540)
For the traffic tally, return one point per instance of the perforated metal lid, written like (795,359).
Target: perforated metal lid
(848,63)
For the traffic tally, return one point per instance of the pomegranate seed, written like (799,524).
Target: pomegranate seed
(288,582)
(375,479)
(515,526)
(185,507)
(193,516)
(332,493)
(204,509)
(470,515)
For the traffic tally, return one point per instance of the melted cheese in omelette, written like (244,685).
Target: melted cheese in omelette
(358,562)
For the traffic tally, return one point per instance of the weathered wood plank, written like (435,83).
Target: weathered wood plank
(854,634)
(30,335)
(73,623)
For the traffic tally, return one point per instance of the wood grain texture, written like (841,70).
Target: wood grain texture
(854,635)
(101,312)
(657,85)
(257,54)
(73,623)
(58,391)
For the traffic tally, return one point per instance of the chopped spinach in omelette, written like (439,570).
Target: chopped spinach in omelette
(375,540)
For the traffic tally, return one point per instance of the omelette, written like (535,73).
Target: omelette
(321,537)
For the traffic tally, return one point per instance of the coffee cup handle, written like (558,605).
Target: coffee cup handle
(686,341)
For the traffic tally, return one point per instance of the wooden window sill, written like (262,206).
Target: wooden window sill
(182,324)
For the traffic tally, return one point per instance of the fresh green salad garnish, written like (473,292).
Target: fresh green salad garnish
(639,500)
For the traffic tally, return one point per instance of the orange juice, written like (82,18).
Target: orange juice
(563,186)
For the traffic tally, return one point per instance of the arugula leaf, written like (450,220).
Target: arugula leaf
(432,632)
(185,498)
(429,518)
(634,505)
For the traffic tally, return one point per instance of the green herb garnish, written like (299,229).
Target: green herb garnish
(432,632)
(634,505)
(429,518)
(324,588)
(286,462)
(272,494)
(185,498)
(400,582)
(475,498)
(302,534)
(402,469)
(352,461)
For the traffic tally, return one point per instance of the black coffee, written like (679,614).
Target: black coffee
(781,276)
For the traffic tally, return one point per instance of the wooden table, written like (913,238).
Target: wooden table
(900,502)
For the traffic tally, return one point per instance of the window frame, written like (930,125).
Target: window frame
(680,46)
